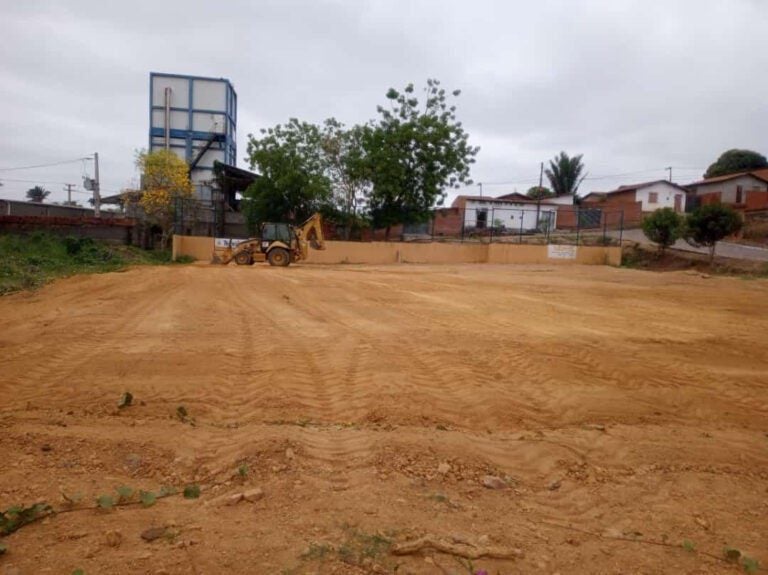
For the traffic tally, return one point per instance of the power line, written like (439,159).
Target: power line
(533,180)
(30,181)
(42,165)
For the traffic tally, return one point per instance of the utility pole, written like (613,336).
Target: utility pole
(68,188)
(669,169)
(480,185)
(96,195)
(538,195)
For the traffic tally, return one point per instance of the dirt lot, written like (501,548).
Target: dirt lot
(621,413)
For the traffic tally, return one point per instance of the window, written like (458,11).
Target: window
(482,219)
(739,194)
(653,197)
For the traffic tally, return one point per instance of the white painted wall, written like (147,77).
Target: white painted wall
(508,214)
(728,188)
(665,197)
(209,95)
(560,200)
(179,91)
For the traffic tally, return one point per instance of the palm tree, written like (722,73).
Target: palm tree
(564,174)
(37,194)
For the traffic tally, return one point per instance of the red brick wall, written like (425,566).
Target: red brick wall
(611,216)
(448,222)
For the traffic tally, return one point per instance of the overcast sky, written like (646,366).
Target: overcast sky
(635,86)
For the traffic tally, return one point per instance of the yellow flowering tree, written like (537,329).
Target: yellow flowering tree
(165,182)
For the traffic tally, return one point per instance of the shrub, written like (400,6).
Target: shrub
(663,227)
(709,224)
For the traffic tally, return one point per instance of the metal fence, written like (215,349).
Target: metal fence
(524,224)
(545,224)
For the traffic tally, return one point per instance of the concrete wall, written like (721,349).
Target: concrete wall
(397,252)
(198,247)
(201,248)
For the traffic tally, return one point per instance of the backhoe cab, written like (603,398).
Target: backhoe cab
(279,244)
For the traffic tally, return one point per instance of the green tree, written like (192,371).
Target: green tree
(412,154)
(539,193)
(294,182)
(342,149)
(709,224)
(663,227)
(733,161)
(37,194)
(565,174)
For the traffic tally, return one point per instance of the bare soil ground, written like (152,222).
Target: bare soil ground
(622,412)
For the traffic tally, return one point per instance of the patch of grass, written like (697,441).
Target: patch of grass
(750,565)
(242,470)
(361,545)
(30,261)
(147,498)
(105,501)
(192,491)
(646,258)
(317,551)
(357,547)
(18,516)
(124,492)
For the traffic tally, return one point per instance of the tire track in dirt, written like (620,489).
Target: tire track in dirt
(44,382)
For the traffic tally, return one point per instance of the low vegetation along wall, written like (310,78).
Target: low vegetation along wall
(201,248)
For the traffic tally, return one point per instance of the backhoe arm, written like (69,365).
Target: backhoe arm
(310,232)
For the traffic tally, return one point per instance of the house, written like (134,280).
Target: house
(748,190)
(511,213)
(650,196)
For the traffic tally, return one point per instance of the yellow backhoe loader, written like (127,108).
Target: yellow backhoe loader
(279,244)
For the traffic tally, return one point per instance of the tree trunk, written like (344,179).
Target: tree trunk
(386,233)
(712,253)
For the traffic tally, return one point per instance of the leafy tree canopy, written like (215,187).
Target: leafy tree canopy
(709,224)
(539,193)
(565,173)
(663,227)
(733,161)
(412,153)
(294,182)
(37,194)
(165,182)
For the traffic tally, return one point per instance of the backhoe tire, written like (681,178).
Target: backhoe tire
(243,259)
(279,257)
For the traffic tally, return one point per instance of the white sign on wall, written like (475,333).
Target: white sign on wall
(555,252)
(223,243)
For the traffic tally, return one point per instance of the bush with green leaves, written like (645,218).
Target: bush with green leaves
(709,224)
(663,227)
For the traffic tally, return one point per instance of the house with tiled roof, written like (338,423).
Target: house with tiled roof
(743,189)
(646,196)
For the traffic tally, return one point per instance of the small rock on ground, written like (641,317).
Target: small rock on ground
(253,494)
(493,482)
(113,538)
(153,533)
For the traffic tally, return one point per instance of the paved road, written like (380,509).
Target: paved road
(724,249)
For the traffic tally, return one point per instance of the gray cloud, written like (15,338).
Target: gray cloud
(632,85)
